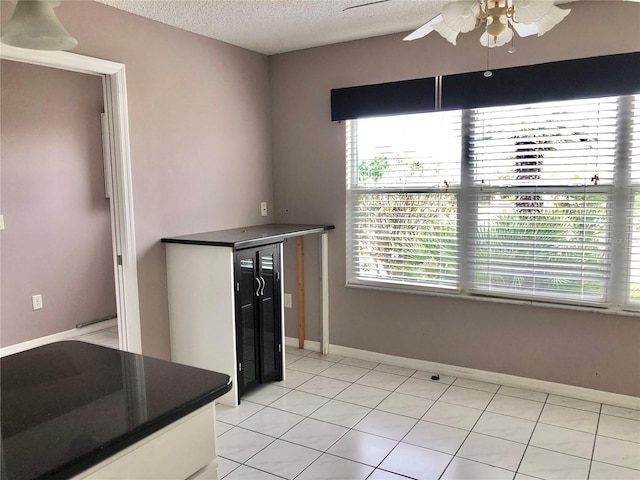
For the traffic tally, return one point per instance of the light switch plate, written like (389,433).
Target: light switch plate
(36,302)
(287,300)
(1,222)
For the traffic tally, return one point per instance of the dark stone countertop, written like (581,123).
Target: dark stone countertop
(69,405)
(247,237)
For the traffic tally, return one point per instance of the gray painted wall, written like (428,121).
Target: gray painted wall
(199,128)
(583,348)
(57,241)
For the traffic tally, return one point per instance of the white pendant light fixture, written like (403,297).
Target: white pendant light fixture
(34,25)
(499,17)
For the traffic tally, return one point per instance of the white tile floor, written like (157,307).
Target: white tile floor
(107,337)
(344,418)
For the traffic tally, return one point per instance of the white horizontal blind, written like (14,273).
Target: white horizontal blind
(541,179)
(405,151)
(403,182)
(541,202)
(633,243)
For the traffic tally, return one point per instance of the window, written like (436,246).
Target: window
(404,227)
(538,201)
(632,239)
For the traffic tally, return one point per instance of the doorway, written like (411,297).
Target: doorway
(119,177)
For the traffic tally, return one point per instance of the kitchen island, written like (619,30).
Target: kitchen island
(77,410)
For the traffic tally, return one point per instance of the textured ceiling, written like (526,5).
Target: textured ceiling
(277,26)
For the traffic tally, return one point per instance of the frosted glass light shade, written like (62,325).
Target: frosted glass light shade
(551,19)
(489,41)
(461,16)
(530,11)
(34,25)
(446,31)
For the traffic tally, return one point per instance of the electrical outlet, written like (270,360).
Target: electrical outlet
(287,300)
(263,209)
(36,302)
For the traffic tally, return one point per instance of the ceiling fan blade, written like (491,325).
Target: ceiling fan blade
(424,30)
(524,29)
(365,4)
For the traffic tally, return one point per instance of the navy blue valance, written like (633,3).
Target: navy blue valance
(570,79)
(408,96)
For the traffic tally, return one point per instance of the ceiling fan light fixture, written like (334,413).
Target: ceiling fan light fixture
(461,16)
(527,11)
(553,17)
(34,25)
(524,29)
(446,31)
(496,26)
(487,40)
(501,18)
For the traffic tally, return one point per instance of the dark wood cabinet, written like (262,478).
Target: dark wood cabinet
(258,316)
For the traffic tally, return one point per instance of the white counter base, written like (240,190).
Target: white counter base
(183,449)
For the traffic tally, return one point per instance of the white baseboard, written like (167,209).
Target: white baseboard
(599,396)
(308,344)
(57,337)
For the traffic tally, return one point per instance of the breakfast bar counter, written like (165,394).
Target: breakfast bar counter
(253,236)
(77,410)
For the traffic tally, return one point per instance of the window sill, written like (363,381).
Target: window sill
(455,294)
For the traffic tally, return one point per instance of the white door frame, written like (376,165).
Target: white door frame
(122,226)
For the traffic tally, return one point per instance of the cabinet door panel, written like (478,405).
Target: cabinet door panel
(269,314)
(258,316)
(246,322)
(248,359)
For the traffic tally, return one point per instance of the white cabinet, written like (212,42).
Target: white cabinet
(202,309)
(204,278)
(183,449)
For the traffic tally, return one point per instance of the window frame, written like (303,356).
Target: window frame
(351,199)
(617,296)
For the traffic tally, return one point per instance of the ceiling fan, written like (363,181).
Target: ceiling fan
(526,17)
